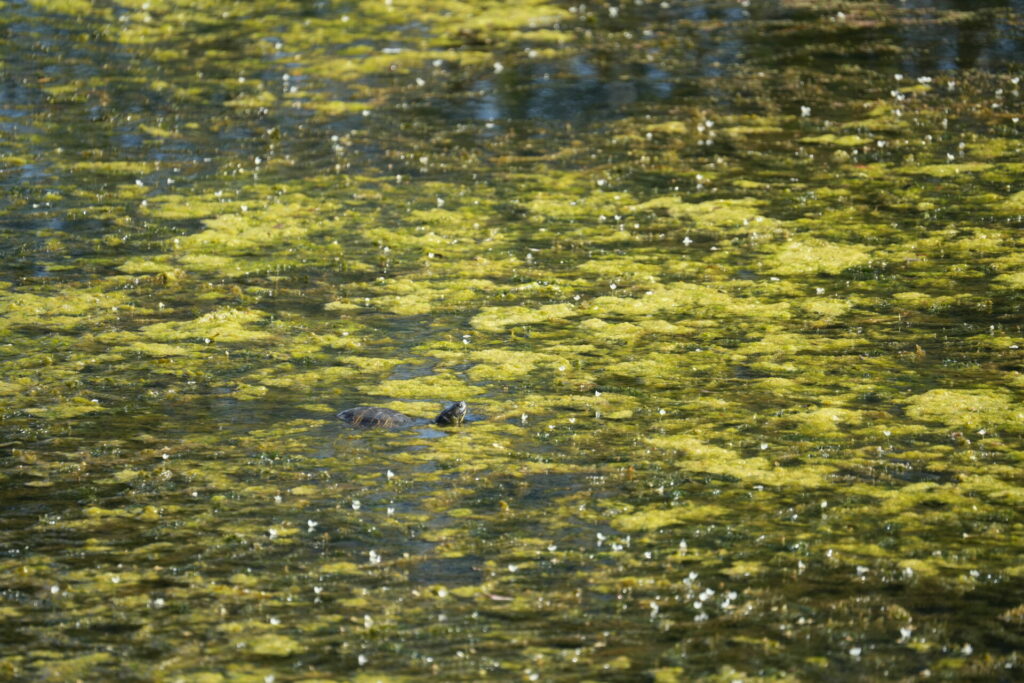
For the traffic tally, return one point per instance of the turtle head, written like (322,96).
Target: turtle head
(453,414)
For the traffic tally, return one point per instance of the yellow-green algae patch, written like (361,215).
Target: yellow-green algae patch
(341,567)
(127,168)
(179,207)
(1015,202)
(747,125)
(653,369)
(222,325)
(497,318)
(779,343)
(547,206)
(821,421)
(334,108)
(137,266)
(69,309)
(825,308)
(803,257)
(276,224)
(66,409)
(968,409)
(226,266)
(836,140)
(605,404)
(651,519)
(58,666)
(289,376)
(415,297)
(252,100)
(1013,280)
(686,297)
(716,215)
(620,268)
(924,302)
(669,127)
(272,645)
(443,386)
(995,148)
(493,16)
(157,132)
(158,350)
(502,364)
(945,170)
(606,331)
(694,455)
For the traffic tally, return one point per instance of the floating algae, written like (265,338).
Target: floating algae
(734,297)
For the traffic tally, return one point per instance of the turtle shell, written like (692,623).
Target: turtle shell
(366,416)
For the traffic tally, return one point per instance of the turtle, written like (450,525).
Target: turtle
(368,416)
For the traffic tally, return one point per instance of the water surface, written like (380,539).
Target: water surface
(733,290)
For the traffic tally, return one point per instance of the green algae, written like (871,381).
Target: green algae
(686,297)
(946,170)
(498,318)
(254,100)
(415,297)
(818,256)
(967,409)
(826,308)
(1011,280)
(505,364)
(271,645)
(782,343)
(122,168)
(65,410)
(67,310)
(697,456)
(179,207)
(650,520)
(224,325)
(711,367)
(439,386)
(823,421)
(630,332)
(277,223)
(548,206)
(716,216)
(837,140)
(158,350)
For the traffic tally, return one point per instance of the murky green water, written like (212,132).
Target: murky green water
(733,290)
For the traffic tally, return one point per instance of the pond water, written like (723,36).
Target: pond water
(733,289)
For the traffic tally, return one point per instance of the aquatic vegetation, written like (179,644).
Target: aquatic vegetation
(816,257)
(732,290)
(991,408)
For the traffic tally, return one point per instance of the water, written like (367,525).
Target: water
(731,288)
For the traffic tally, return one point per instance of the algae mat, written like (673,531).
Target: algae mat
(733,290)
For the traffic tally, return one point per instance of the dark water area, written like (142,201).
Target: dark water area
(733,291)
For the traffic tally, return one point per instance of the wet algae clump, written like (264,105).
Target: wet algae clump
(736,286)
